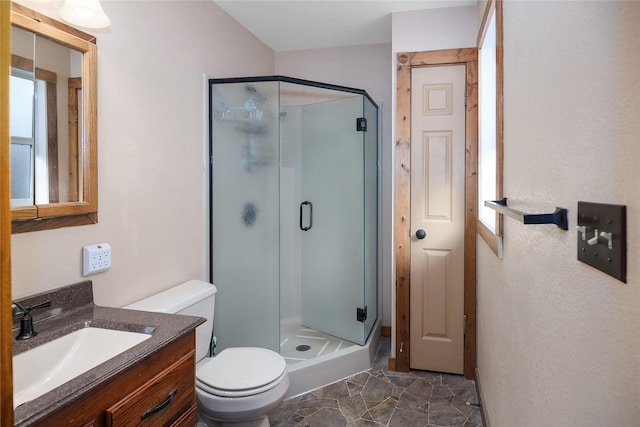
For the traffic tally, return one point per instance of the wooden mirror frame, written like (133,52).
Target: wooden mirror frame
(56,215)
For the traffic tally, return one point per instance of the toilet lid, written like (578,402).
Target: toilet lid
(241,371)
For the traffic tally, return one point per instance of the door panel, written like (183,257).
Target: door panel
(437,175)
(437,266)
(333,246)
(437,207)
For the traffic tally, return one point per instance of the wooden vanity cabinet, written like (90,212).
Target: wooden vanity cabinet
(158,390)
(150,404)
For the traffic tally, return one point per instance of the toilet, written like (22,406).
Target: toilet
(240,385)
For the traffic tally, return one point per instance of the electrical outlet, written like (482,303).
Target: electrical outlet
(96,258)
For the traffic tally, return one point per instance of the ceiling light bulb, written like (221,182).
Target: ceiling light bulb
(84,13)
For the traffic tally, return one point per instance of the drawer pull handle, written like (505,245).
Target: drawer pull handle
(161,406)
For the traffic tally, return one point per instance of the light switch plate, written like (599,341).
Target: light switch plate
(596,247)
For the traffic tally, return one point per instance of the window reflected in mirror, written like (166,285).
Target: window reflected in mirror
(22,140)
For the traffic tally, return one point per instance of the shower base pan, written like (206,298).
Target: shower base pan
(327,360)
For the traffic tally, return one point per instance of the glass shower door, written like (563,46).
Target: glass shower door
(331,218)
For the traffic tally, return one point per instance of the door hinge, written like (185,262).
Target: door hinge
(361,314)
(361,124)
(464,325)
(465,98)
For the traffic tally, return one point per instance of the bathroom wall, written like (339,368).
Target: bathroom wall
(434,29)
(558,341)
(152,130)
(362,67)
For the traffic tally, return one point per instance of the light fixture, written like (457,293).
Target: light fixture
(84,13)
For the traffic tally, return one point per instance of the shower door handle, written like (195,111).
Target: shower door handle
(302,205)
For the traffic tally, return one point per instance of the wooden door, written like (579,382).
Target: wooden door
(437,218)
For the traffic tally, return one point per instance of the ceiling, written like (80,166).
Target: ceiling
(312,24)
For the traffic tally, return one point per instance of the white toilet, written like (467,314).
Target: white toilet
(240,385)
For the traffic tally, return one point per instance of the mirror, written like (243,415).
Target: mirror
(52,123)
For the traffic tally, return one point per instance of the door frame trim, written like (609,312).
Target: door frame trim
(406,61)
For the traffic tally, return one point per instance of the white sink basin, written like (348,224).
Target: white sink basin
(50,365)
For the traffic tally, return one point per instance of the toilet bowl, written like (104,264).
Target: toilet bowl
(240,385)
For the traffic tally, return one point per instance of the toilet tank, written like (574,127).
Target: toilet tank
(192,298)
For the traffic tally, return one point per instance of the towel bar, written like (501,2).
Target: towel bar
(559,217)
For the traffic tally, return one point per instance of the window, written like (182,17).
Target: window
(29,97)
(490,68)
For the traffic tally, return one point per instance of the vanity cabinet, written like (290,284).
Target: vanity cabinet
(157,390)
(151,403)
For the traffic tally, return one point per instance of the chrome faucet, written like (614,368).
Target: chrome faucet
(26,321)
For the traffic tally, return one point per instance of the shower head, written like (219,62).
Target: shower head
(254,93)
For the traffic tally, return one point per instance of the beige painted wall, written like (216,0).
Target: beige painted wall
(152,141)
(558,342)
(362,67)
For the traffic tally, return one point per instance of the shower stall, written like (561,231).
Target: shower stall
(294,221)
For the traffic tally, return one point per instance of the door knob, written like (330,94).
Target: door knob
(421,234)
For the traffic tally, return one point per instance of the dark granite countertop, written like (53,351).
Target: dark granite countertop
(72,308)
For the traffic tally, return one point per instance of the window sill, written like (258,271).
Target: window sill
(491,239)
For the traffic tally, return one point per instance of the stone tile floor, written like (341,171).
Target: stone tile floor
(380,397)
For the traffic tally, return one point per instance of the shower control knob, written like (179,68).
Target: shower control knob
(421,234)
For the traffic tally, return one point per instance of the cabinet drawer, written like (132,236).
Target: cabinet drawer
(188,419)
(160,400)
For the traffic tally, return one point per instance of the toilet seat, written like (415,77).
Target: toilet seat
(240,372)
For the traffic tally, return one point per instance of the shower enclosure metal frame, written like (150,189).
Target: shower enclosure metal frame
(249,119)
